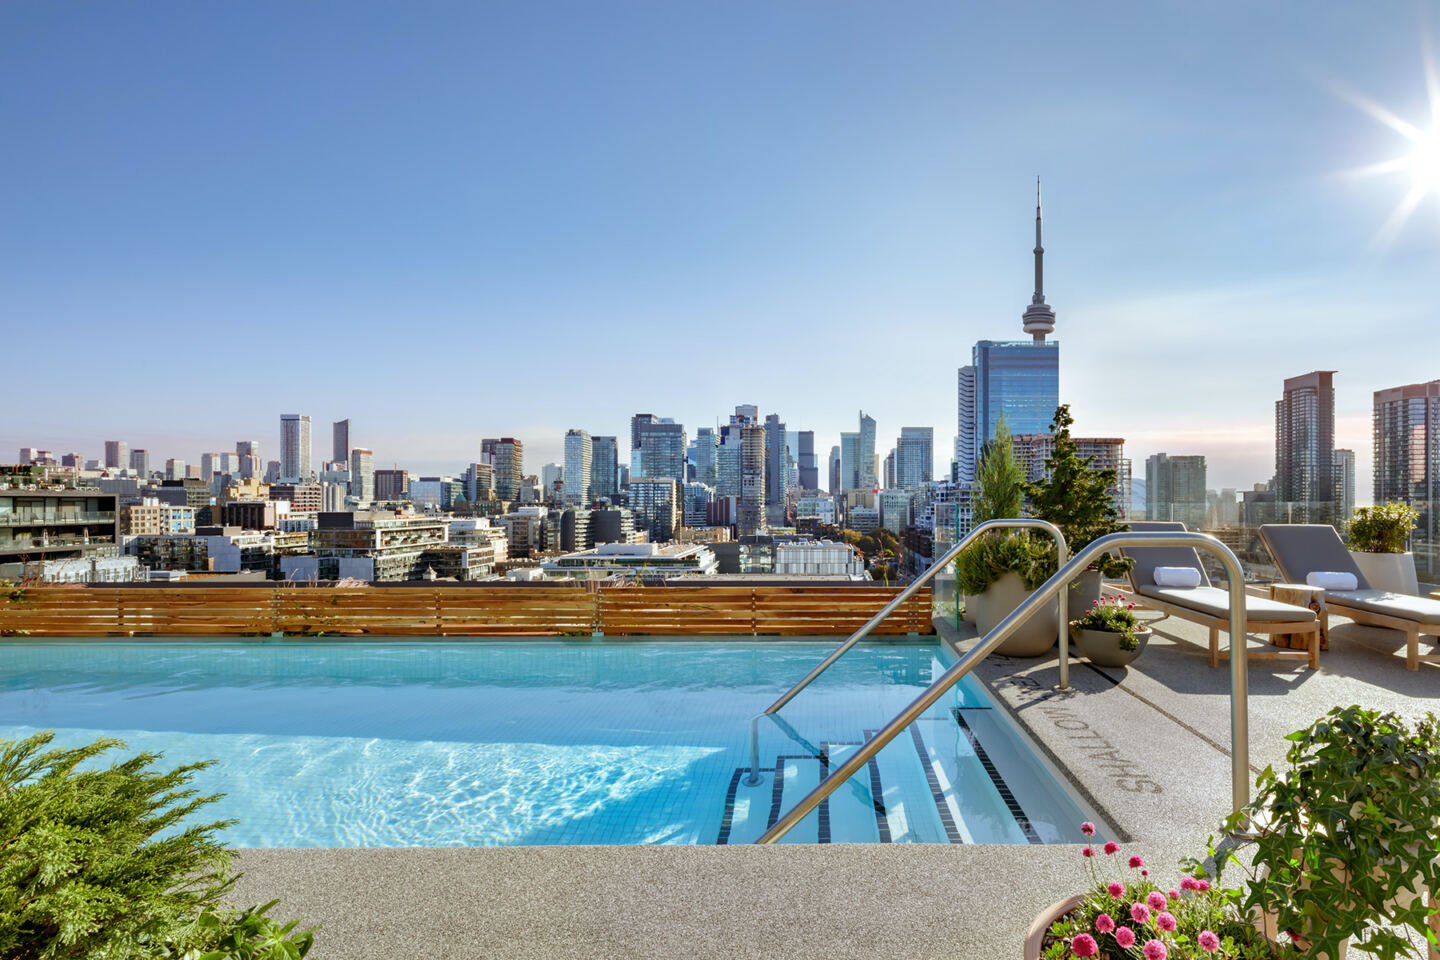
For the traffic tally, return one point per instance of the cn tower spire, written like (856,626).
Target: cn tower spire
(1038,319)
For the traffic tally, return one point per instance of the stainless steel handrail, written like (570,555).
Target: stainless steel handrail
(1239,676)
(1017,523)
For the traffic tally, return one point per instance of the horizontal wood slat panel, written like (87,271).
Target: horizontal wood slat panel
(447,611)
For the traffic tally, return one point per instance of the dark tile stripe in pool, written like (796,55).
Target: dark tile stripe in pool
(1001,786)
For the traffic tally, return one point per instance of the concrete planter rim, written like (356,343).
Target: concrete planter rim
(1035,936)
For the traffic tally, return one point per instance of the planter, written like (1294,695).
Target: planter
(1102,647)
(1035,936)
(1035,637)
(969,613)
(1394,572)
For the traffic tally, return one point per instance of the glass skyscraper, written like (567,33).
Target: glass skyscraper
(1019,378)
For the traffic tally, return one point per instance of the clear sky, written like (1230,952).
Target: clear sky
(455,220)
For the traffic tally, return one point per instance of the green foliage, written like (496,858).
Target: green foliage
(1003,551)
(999,492)
(1076,497)
(1112,615)
(1381,529)
(1353,824)
(97,861)
(878,543)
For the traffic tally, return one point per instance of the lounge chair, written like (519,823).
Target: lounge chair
(1300,549)
(1209,605)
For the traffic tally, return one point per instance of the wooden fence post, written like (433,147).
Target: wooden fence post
(597,613)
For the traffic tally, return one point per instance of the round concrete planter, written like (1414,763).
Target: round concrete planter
(1394,572)
(1035,936)
(1084,591)
(1035,637)
(1102,647)
(969,613)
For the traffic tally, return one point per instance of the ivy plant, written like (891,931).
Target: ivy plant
(1347,837)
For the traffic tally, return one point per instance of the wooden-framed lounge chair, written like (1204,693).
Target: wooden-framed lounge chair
(1300,549)
(1209,605)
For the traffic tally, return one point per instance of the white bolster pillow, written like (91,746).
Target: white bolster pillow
(1177,577)
(1331,580)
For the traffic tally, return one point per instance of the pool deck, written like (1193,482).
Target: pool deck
(1149,745)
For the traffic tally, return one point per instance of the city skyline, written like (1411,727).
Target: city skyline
(896,213)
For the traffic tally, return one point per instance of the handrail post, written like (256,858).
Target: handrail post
(1239,676)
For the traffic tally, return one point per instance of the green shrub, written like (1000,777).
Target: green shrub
(999,492)
(97,861)
(1381,529)
(1076,497)
(996,554)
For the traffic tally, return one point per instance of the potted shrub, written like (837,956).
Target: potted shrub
(1377,540)
(1109,634)
(1079,500)
(1126,913)
(1345,844)
(998,571)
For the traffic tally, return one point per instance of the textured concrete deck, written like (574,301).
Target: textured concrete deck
(1149,745)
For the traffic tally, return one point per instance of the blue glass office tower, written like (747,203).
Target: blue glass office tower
(1020,378)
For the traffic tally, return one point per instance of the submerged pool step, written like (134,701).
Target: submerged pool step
(896,797)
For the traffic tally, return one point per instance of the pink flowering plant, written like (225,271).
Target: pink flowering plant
(1112,614)
(1126,914)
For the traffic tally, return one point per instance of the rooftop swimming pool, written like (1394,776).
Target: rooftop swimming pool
(415,743)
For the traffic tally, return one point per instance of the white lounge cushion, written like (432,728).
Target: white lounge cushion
(1177,577)
(1422,610)
(1331,580)
(1215,602)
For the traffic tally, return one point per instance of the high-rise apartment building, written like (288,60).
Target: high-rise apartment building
(849,461)
(362,474)
(1103,453)
(696,504)
(655,504)
(507,457)
(1175,490)
(1407,461)
(866,453)
(752,479)
(833,471)
(117,455)
(887,475)
(604,467)
(210,464)
(1305,440)
(1019,380)
(340,440)
(1343,472)
(577,480)
(914,457)
(775,472)
(140,462)
(808,466)
(661,449)
(707,466)
(174,469)
(552,479)
(294,447)
(248,452)
(635,423)
(727,460)
(966,449)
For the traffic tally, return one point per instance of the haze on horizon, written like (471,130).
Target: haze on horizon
(447,221)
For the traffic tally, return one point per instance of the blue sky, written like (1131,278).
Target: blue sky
(456,220)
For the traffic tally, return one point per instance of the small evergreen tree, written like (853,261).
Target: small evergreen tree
(999,485)
(98,862)
(1076,497)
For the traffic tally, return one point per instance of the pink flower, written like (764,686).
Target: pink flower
(1130,607)
(1116,888)
(1112,847)
(1202,885)
(1087,828)
(1088,851)
(1125,937)
(1104,923)
(1188,883)
(1166,922)
(1139,912)
(1084,945)
(1157,900)
(1144,873)
(1155,950)
(1208,940)
(1136,863)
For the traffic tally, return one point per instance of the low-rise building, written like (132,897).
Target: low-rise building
(375,546)
(51,524)
(634,560)
(819,558)
(151,518)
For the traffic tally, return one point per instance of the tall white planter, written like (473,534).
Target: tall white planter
(1394,572)
(1035,637)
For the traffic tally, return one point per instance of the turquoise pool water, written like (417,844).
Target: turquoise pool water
(346,743)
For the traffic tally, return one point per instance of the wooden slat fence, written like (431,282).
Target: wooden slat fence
(560,610)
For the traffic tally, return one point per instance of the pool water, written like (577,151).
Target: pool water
(365,744)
